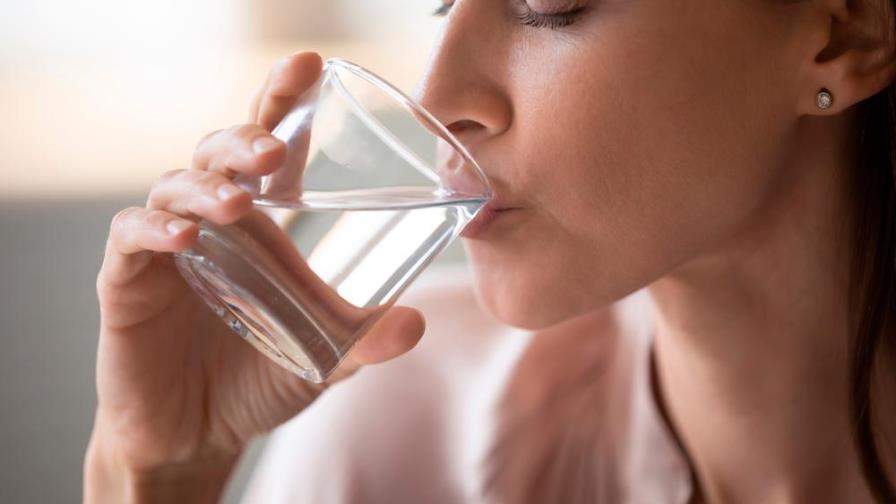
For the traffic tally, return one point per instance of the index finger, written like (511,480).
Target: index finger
(287,80)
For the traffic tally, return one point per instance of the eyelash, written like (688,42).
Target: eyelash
(532,18)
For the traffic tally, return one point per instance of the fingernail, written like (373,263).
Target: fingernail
(227,191)
(176,226)
(265,144)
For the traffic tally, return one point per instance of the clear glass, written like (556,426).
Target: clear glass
(372,190)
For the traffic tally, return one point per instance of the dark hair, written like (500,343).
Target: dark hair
(873,287)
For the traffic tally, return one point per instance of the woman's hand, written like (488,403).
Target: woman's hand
(179,394)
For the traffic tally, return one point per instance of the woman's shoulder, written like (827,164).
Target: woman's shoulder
(577,420)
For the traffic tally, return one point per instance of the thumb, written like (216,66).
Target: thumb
(397,332)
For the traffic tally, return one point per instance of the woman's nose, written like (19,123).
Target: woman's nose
(462,84)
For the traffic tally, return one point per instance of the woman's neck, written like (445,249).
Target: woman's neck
(752,345)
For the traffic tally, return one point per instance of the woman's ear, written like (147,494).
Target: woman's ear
(855,57)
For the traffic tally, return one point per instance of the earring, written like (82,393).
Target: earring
(824,99)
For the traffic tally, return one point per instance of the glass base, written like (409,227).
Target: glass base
(258,299)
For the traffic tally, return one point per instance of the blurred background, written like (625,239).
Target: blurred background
(99,97)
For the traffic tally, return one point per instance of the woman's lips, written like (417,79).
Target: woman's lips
(484,219)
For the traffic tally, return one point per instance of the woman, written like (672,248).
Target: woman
(714,176)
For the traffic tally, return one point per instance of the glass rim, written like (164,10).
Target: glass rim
(405,100)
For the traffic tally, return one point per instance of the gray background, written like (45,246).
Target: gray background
(51,252)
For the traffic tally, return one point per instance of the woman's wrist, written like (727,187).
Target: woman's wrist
(108,479)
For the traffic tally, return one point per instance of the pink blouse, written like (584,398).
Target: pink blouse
(480,412)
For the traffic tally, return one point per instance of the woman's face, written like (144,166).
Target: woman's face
(633,140)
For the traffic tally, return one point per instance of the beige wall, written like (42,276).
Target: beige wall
(101,96)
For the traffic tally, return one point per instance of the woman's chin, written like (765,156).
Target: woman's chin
(510,303)
(525,290)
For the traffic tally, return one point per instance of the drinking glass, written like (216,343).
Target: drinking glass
(372,190)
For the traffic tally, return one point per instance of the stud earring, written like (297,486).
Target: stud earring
(824,99)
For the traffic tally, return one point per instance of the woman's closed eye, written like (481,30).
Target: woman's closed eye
(529,17)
